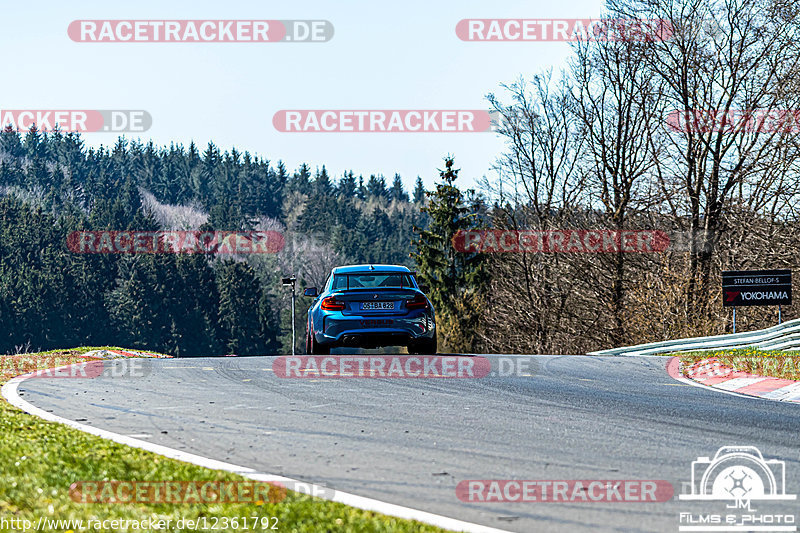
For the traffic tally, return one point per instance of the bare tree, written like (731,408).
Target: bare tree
(538,186)
(732,63)
(617,104)
(173,217)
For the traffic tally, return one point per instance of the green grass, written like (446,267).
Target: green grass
(39,461)
(772,363)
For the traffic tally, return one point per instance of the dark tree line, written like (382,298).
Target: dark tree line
(192,304)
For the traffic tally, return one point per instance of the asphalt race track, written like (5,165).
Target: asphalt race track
(410,441)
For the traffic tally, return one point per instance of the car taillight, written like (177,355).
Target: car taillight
(332,304)
(419,302)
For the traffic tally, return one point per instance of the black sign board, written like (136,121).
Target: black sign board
(742,288)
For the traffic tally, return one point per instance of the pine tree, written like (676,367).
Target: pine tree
(347,186)
(419,192)
(274,191)
(397,193)
(196,292)
(249,187)
(301,180)
(322,183)
(226,216)
(10,143)
(361,191)
(134,304)
(454,278)
(240,301)
(376,187)
(205,172)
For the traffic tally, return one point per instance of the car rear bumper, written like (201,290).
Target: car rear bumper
(374,331)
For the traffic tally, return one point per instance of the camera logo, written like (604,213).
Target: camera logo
(738,473)
(737,476)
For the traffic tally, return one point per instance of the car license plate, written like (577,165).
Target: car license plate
(377,305)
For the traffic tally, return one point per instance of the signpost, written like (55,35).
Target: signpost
(287,282)
(746,288)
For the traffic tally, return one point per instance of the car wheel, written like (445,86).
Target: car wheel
(317,348)
(426,347)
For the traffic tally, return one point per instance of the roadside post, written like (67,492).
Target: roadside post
(747,288)
(286,282)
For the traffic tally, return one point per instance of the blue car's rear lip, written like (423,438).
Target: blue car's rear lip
(336,325)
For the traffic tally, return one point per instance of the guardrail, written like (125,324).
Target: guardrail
(782,337)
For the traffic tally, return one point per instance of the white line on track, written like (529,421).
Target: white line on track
(10,393)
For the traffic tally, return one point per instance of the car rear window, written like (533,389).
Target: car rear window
(371,280)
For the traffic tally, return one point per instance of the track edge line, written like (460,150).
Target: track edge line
(10,392)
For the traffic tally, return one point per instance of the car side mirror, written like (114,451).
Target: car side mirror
(424,287)
(311,291)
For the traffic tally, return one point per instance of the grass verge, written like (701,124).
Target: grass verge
(39,461)
(772,363)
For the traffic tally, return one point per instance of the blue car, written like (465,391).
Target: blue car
(367,306)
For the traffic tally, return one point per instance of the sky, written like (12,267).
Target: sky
(382,56)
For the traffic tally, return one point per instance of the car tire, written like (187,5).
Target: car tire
(317,348)
(426,347)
